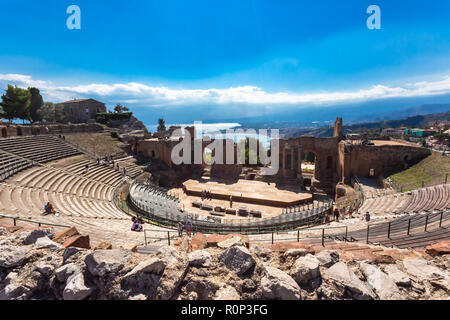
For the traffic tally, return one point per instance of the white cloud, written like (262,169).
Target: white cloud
(143,94)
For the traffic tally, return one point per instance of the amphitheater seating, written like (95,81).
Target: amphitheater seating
(10,164)
(429,199)
(42,148)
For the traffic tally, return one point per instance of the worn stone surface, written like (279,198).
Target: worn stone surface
(103,246)
(261,252)
(277,284)
(79,241)
(306,270)
(384,286)
(46,243)
(327,258)
(440,248)
(233,241)
(400,278)
(200,258)
(227,293)
(101,262)
(341,275)
(13,256)
(422,270)
(294,253)
(30,237)
(76,288)
(238,259)
(132,246)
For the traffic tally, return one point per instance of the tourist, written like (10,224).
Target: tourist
(180,229)
(98,161)
(86,169)
(48,209)
(231,201)
(136,226)
(367,216)
(188,228)
(336,215)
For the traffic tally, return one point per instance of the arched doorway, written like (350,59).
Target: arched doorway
(308,166)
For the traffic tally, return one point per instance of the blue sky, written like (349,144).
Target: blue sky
(228,58)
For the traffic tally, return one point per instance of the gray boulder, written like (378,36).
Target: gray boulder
(46,243)
(153,265)
(102,262)
(227,293)
(12,289)
(422,270)
(30,237)
(261,252)
(67,270)
(381,283)
(343,276)
(76,288)
(13,256)
(400,278)
(327,258)
(298,252)
(306,270)
(277,284)
(200,258)
(233,241)
(238,259)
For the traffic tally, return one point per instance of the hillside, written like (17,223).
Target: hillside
(415,121)
(431,171)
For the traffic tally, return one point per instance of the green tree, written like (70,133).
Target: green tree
(36,104)
(16,103)
(161,125)
(50,112)
(118,108)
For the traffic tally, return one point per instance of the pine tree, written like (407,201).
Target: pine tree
(161,125)
(16,103)
(36,104)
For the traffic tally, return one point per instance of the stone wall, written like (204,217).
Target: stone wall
(357,160)
(28,130)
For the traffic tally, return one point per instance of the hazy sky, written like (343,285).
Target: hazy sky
(233,57)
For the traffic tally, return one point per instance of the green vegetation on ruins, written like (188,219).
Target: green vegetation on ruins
(431,171)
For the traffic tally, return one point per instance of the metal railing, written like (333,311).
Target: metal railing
(40,224)
(401,227)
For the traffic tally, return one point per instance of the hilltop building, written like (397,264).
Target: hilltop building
(82,110)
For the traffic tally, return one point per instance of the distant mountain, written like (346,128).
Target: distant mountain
(415,121)
(410,112)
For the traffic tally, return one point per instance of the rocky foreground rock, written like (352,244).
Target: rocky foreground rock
(34,266)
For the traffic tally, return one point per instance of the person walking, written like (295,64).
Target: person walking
(231,201)
(367,216)
(188,228)
(180,229)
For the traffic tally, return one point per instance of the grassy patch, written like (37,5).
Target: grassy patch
(99,143)
(431,171)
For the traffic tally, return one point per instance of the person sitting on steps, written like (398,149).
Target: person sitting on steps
(49,209)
